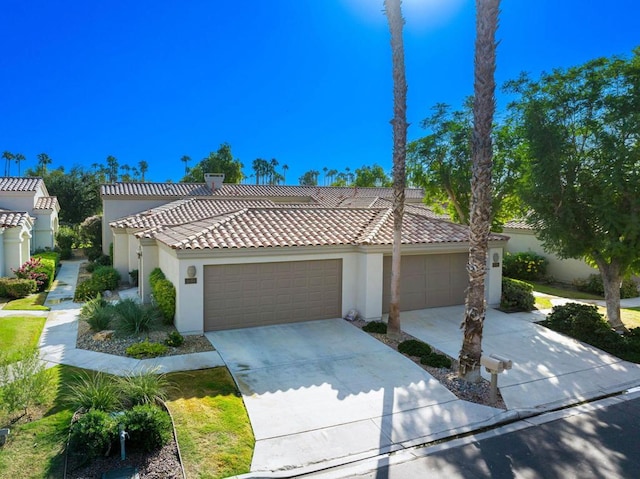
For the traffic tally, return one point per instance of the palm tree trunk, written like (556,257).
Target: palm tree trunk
(480,211)
(394,16)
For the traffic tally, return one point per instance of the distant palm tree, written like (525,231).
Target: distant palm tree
(186,159)
(43,161)
(348,175)
(484,104)
(112,168)
(284,173)
(144,167)
(19,158)
(8,157)
(325,169)
(273,174)
(393,11)
(332,174)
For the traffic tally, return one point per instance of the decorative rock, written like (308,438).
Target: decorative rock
(105,335)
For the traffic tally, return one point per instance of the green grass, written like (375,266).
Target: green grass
(630,316)
(214,433)
(33,302)
(562,292)
(19,333)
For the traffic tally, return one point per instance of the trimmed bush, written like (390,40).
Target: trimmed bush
(35,270)
(516,295)
(593,284)
(133,317)
(15,288)
(148,426)
(375,327)
(155,276)
(146,350)
(87,290)
(49,262)
(413,347)
(174,339)
(527,266)
(164,294)
(436,360)
(107,277)
(94,433)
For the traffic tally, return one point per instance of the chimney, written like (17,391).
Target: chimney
(214,180)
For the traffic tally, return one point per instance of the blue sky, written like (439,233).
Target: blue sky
(307,82)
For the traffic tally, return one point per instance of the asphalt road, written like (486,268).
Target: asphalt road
(601,440)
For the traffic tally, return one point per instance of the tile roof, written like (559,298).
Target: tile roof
(185,211)
(47,203)
(520,224)
(413,208)
(13,184)
(287,227)
(11,219)
(165,190)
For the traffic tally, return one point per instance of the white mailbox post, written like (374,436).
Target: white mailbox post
(495,364)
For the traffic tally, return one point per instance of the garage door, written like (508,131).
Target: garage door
(246,295)
(427,281)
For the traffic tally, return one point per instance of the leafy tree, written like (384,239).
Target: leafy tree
(309,178)
(369,176)
(393,11)
(440,163)
(221,161)
(480,214)
(582,125)
(78,193)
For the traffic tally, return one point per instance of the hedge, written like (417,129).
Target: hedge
(516,295)
(164,294)
(17,288)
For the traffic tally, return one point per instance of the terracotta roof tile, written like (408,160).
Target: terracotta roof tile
(520,224)
(47,203)
(11,219)
(165,190)
(19,183)
(185,211)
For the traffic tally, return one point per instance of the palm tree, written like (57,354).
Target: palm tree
(480,211)
(393,10)
(348,174)
(144,167)
(332,174)
(8,156)
(325,169)
(43,161)
(185,159)
(112,168)
(284,173)
(273,175)
(19,158)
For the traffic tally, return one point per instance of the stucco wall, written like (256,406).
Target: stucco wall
(565,270)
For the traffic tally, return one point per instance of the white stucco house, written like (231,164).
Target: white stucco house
(249,255)
(28,220)
(522,238)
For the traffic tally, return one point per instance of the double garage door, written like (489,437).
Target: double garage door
(247,295)
(427,281)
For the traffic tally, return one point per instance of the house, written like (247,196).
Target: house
(248,255)
(28,220)
(522,238)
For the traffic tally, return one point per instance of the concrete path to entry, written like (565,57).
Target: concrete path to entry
(322,391)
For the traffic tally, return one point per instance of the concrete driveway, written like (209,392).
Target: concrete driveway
(317,392)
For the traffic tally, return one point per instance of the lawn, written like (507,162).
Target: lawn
(18,333)
(562,292)
(33,302)
(214,432)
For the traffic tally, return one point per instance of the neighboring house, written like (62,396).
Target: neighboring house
(522,238)
(28,220)
(250,255)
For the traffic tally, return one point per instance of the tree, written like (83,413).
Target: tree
(43,162)
(370,176)
(186,159)
(126,173)
(325,169)
(331,174)
(19,157)
(8,157)
(440,163)
(285,168)
(480,213)
(143,168)
(393,12)
(112,169)
(261,170)
(221,161)
(309,178)
(582,127)
(78,193)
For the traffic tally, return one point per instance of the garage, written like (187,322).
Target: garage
(258,294)
(427,281)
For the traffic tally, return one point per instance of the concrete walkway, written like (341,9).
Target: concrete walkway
(350,396)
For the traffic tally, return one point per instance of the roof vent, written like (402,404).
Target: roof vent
(214,180)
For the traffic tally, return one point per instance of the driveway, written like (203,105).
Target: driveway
(320,391)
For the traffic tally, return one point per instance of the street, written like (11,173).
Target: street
(599,440)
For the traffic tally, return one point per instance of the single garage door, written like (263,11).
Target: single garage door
(427,281)
(246,295)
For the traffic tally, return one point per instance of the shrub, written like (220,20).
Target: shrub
(145,387)
(91,234)
(67,238)
(174,339)
(17,288)
(164,294)
(413,347)
(94,433)
(87,290)
(146,349)
(25,381)
(91,306)
(148,426)
(516,295)
(155,276)
(101,318)
(133,317)
(94,391)
(375,327)
(527,266)
(593,284)
(134,277)
(436,360)
(49,261)
(106,277)
(103,260)
(35,270)
(65,253)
